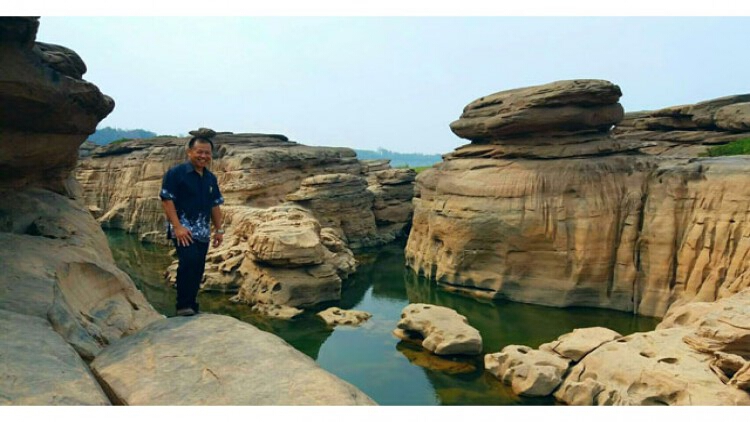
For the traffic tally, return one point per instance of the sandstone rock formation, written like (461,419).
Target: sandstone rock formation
(529,372)
(698,355)
(580,342)
(276,259)
(337,316)
(440,330)
(688,130)
(62,299)
(39,368)
(233,364)
(37,99)
(545,206)
(121,182)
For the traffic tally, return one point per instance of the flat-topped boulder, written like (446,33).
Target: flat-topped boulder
(562,106)
(438,329)
(216,360)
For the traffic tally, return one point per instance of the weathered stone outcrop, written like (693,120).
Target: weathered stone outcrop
(529,372)
(698,355)
(688,130)
(340,201)
(39,368)
(233,364)
(37,100)
(337,316)
(62,299)
(121,182)
(565,214)
(438,329)
(59,286)
(276,257)
(393,190)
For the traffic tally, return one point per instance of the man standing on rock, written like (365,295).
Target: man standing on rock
(190,197)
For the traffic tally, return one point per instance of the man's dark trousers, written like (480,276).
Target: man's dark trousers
(192,260)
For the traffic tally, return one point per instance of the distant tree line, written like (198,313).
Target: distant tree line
(108,134)
(399,159)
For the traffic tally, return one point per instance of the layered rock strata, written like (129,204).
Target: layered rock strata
(121,183)
(688,130)
(565,214)
(63,301)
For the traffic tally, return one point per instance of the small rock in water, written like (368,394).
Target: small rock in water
(337,316)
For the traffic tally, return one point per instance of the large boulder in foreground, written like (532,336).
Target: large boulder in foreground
(216,360)
(441,330)
(37,366)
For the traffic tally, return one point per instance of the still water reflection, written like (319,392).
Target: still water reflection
(370,357)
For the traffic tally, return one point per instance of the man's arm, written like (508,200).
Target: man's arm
(217,219)
(181,233)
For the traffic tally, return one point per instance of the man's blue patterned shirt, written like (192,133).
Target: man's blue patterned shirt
(194,196)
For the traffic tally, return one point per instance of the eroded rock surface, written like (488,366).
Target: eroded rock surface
(440,330)
(564,213)
(216,360)
(276,257)
(337,316)
(578,343)
(37,366)
(529,372)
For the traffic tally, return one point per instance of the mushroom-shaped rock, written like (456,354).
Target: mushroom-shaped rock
(337,316)
(529,372)
(562,106)
(443,331)
(580,342)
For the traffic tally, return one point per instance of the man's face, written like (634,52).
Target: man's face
(200,154)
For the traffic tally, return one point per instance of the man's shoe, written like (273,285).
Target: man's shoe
(185,312)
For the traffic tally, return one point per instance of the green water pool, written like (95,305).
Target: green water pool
(369,356)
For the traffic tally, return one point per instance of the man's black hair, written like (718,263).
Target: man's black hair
(195,139)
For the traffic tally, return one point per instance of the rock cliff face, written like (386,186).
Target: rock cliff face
(546,206)
(311,205)
(63,302)
(121,183)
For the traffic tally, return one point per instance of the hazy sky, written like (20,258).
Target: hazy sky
(391,82)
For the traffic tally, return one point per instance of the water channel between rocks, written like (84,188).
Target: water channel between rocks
(369,356)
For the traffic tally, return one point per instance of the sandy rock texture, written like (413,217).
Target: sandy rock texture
(438,329)
(39,368)
(688,130)
(336,316)
(216,360)
(63,302)
(698,355)
(275,259)
(529,372)
(121,182)
(559,212)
